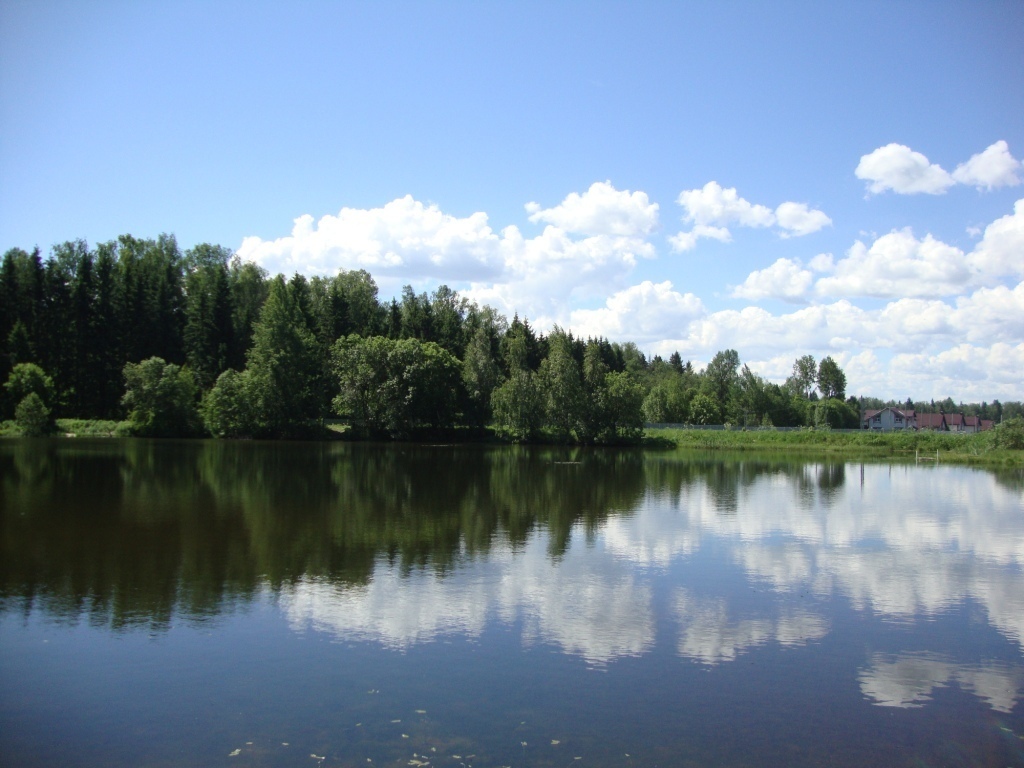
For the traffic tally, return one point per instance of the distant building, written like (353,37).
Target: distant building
(890,419)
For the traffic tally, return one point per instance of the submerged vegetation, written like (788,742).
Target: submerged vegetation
(136,337)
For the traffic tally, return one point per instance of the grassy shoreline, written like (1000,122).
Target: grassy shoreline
(979,449)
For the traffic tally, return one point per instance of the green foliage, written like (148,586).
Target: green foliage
(480,373)
(832,413)
(32,416)
(26,379)
(720,376)
(518,406)
(390,385)
(831,379)
(225,409)
(82,314)
(624,406)
(284,370)
(1009,434)
(704,410)
(160,398)
(805,376)
(562,387)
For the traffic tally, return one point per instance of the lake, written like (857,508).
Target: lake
(298,604)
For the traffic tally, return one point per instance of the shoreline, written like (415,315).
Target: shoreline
(980,449)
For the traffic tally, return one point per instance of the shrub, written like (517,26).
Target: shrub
(32,416)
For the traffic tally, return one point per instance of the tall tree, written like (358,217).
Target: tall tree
(831,379)
(209,313)
(249,287)
(480,374)
(720,377)
(562,385)
(805,376)
(283,366)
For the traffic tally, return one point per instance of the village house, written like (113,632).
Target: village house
(889,419)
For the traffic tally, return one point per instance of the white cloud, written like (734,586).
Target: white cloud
(601,210)
(994,167)
(785,279)
(798,220)
(643,312)
(409,241)
(715,206)
(902,170)
(404,236)
(899,168)
(541,276)
(686,241)
(1001,250)
(898,264)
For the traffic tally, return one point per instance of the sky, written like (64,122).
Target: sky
(781,179)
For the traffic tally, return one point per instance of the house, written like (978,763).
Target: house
(888,419)
(953,422)
(934,421)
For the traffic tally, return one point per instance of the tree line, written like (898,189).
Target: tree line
(199,342)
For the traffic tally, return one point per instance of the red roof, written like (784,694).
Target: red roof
(931,421)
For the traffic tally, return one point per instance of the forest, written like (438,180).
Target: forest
(198,342)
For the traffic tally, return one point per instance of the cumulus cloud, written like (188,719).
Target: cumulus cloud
(712,205)
(712,209)
(409,241)
(643,312)
(785,279)
(1001,250)
(969,349)
(601,210)
(901,169)
(995,167)
(404,236)
(898,264)
(687,241)
(798,220)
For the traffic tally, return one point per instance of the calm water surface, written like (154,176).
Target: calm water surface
(268,604)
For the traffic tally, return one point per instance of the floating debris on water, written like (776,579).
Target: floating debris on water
(555,742)
(421,711)
(236,753)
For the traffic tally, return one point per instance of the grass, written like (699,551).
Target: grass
(989,448)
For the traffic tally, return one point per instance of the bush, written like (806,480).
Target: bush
(161,399)
(32,416)
(225,410)
(1010,434)
(29,378)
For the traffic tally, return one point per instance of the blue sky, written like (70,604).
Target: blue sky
(778,178)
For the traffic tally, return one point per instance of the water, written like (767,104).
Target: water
(281,604)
